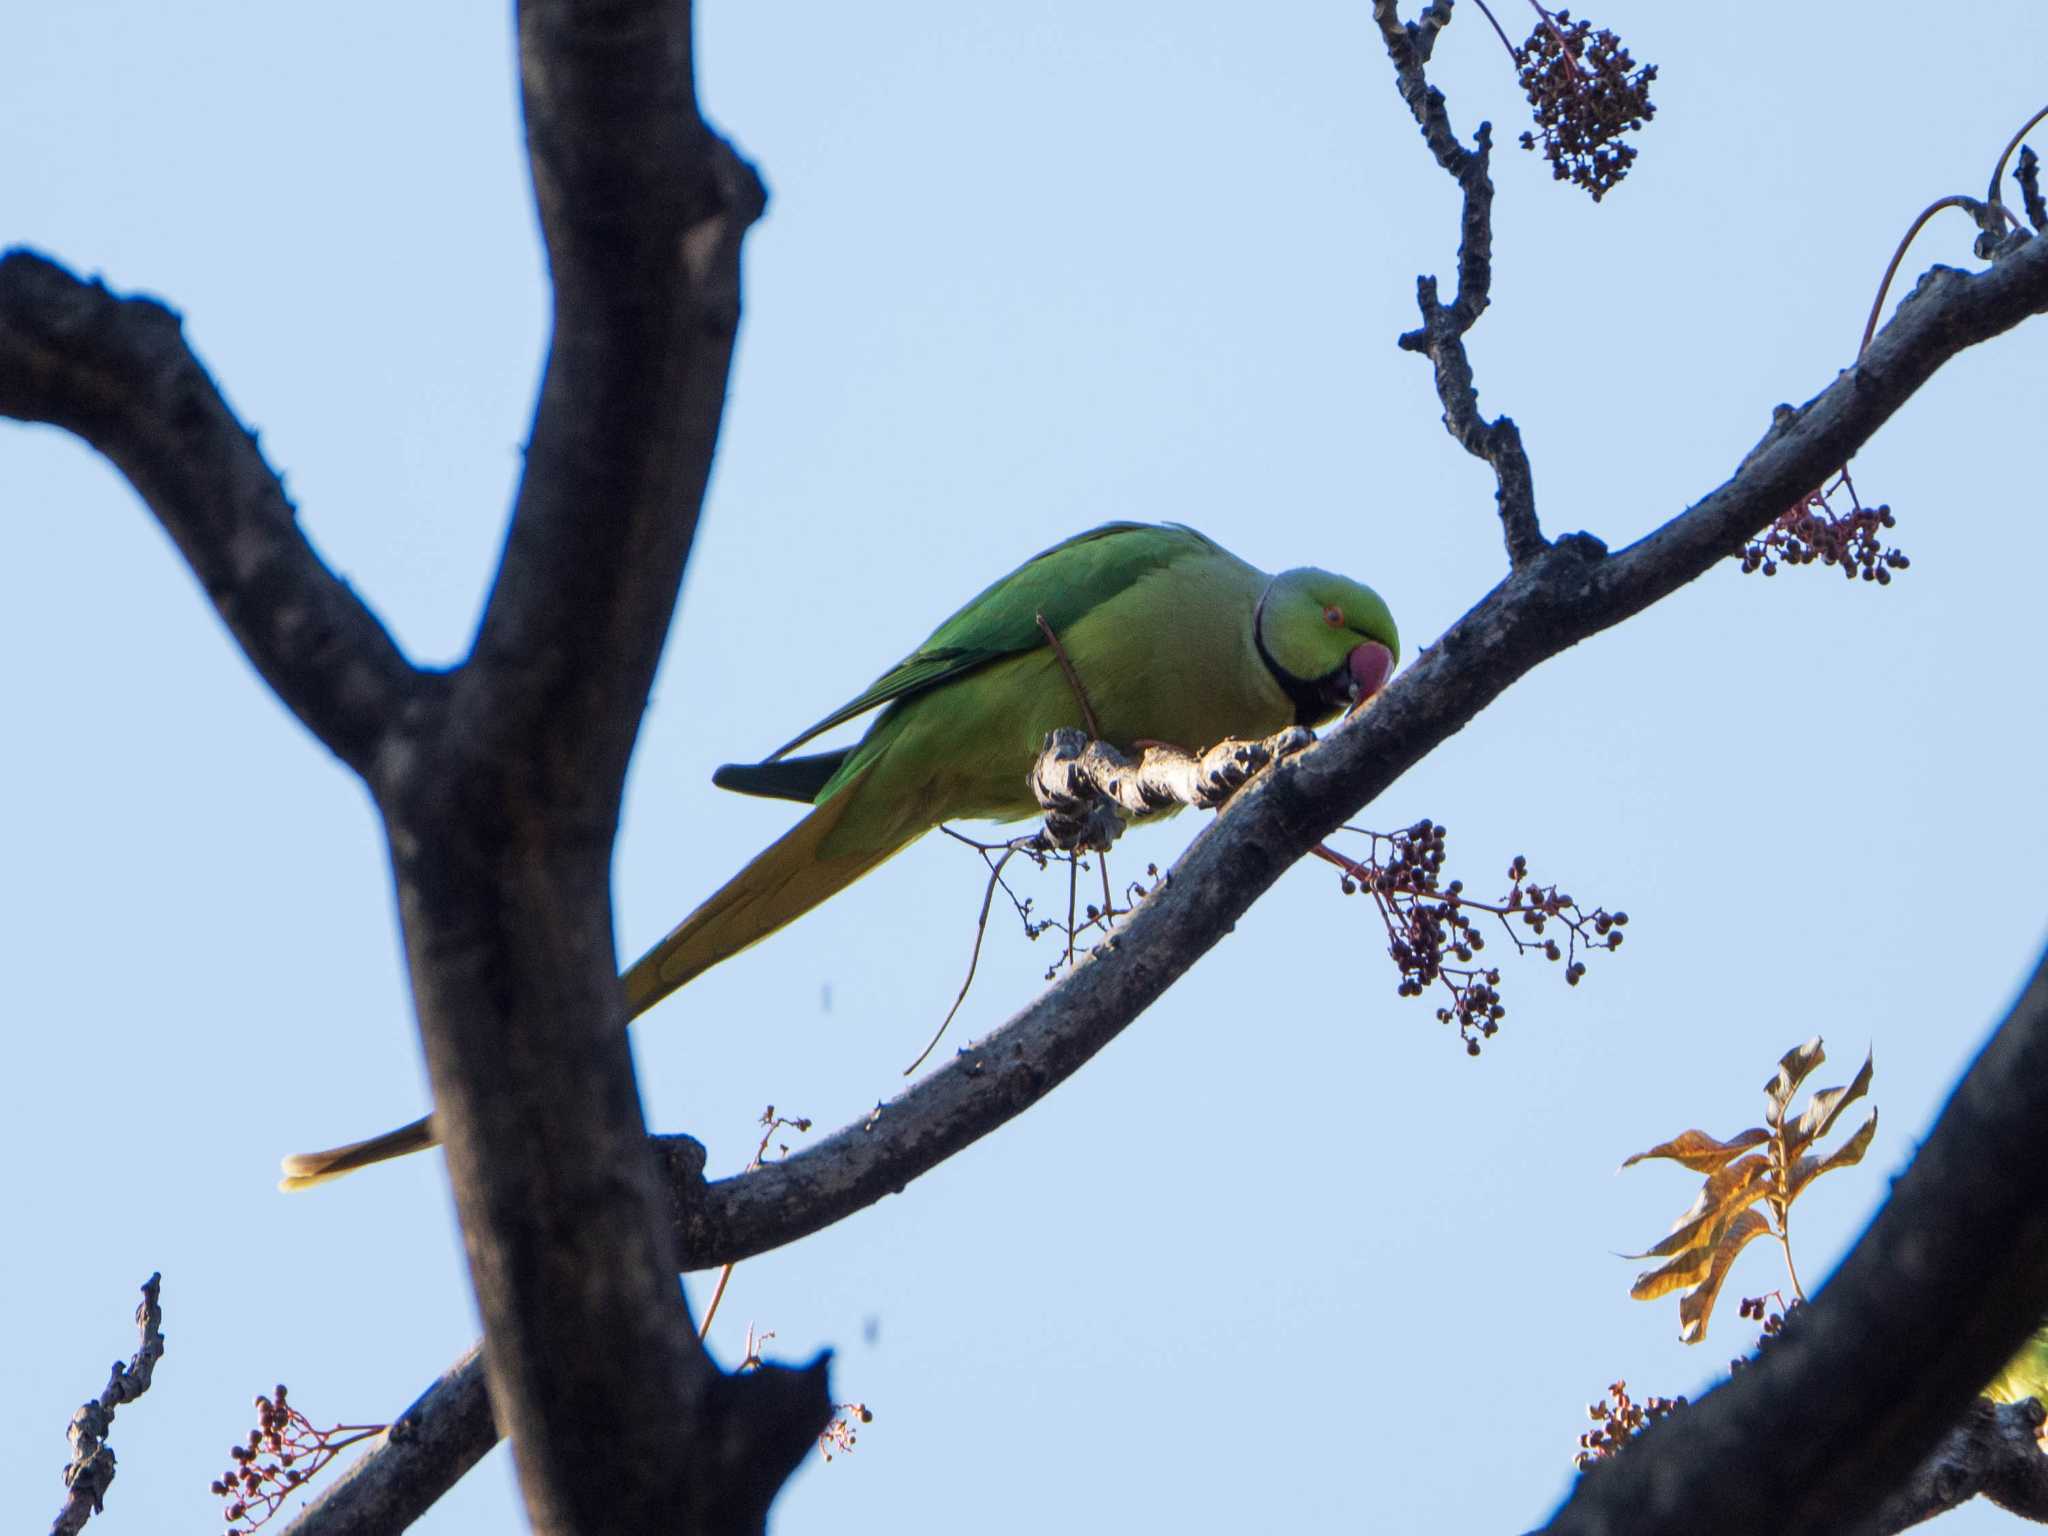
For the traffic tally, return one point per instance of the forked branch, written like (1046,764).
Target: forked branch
(1441,337)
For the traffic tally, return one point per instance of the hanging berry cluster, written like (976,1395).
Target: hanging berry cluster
(1586,92)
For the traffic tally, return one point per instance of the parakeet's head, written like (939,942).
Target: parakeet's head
(1329,641)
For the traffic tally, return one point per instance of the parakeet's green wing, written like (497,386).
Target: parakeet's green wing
(1063,584)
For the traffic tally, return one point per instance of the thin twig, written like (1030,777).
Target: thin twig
(1073,679)
(1505,42)
(1969,204)
(92,1460)
(1441,337)
(988,897)
(717,1295)
(770,1124)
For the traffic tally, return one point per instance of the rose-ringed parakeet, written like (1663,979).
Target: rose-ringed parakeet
(1170,637)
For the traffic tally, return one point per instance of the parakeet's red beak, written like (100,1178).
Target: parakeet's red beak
(1370,665)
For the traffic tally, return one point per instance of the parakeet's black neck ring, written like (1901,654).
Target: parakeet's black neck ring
(1311,702)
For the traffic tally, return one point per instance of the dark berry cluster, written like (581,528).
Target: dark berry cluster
(283,1452)
(1617,1421)
(1431,939)
(1811,529)
(1539,906)
(1586,92)
(1434,940)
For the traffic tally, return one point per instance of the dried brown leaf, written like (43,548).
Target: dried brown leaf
(1688,1268)
(1740,1185)
(1850,1151)
(1793,1068)
(1724,1217)
(1696,1307)
(1699,1151)
(1825,1107)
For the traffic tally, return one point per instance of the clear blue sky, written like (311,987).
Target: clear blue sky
(1283,1255)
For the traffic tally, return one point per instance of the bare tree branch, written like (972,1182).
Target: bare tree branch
(117,372)
(1442,334)
(1946,1284)
(92,1459)
(428,1449)
(1572,591)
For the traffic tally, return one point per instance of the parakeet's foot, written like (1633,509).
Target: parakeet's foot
(1226,767)
(1088,788)
(1076,782)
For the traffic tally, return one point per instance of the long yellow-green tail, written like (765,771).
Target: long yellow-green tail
(302,1170)
(785,880)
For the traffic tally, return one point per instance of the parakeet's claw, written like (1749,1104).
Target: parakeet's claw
(1229,765)
(1075,782)
(1090,830)
(1225,768)
(1296,738)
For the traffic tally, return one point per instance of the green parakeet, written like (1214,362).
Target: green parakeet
(1170,636)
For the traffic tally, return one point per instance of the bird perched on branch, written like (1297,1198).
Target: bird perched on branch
(1138,632)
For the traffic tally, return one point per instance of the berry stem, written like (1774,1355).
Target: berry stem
(1968,204)
(1513,52)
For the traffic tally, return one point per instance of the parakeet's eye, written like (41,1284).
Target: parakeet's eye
(1334,617)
